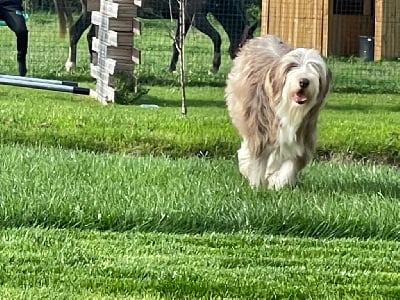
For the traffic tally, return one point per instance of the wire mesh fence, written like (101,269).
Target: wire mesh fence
(47,51)
(215,31)
(359,38)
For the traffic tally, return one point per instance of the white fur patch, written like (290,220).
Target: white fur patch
(285,175)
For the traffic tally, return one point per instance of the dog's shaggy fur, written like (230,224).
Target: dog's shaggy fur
(274,95)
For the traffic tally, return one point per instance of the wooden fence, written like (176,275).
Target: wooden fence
(116,26)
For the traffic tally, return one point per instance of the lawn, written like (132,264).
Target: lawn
(352,126)
(126,202)
(76,264)
(58,188)
(108,202)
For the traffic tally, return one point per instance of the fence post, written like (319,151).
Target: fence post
(113,44)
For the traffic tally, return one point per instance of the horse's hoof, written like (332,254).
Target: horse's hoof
(69,66)
(214,69)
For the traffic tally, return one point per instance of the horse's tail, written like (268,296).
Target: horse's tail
(64,16)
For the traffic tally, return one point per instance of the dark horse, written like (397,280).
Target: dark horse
(229,13)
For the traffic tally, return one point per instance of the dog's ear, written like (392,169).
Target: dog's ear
(276,78)
(312,115)
(325,84)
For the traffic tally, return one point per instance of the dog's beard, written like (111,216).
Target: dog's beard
(291,115)
(295,102)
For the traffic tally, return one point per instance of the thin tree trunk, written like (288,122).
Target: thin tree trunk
(181,45)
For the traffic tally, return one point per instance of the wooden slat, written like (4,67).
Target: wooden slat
(116,39)
(106,74)
(93,94)
(312,24)
(109,37)
(97,18)
(105,78)
(120,24)
(96,45)
(114,45)
(118,10)
(98,73)
(136,56)
(94,71)
(120,38)
(105,93)
(122,1)
(124,67)
(378,29)
(137,27)
(265,17)
(325,28)
(297,22)
(113,66)
(116,34)
(389,29)
(121,53)
(93,5)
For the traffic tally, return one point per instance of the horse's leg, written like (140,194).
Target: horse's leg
(75,33)
(175,47)
(90,35)
(202,24)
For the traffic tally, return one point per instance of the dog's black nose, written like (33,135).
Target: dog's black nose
(304,82)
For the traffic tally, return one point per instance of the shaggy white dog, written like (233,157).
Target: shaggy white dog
(274,95)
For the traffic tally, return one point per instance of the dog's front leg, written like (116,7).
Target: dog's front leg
(285,175)
(256,171)
(253,168)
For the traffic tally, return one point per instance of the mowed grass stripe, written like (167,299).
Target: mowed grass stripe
(354,126)
(54,187)
(94,265)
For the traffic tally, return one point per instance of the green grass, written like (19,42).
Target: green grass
(49,187)
(92,225)
(123,202)
(71,264)
(351,125)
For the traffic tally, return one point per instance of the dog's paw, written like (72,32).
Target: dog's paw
(277,182)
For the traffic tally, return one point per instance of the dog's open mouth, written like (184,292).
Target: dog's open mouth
(299,97)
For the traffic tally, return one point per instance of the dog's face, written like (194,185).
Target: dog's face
(302,80)
(299,81)
(306,77)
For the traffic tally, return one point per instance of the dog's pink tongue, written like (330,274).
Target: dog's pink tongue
(300,98)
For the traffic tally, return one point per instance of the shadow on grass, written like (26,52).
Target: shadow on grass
(361,107)
(171,80)
(355,186)
(136,146)
(74,76)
